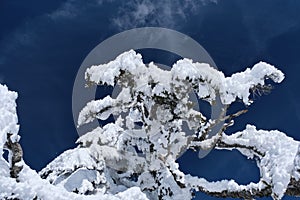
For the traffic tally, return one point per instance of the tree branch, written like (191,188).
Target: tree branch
(16,156)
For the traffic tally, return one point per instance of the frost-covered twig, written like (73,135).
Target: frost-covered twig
(278,161)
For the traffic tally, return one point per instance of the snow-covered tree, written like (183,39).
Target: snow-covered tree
(135,157)
(18,181)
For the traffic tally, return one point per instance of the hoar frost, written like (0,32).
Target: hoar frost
(135,157)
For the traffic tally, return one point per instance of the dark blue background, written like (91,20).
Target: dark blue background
(42,45)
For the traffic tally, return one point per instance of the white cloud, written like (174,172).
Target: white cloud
(125,15)
(27,33)
(143,10)
(156,13)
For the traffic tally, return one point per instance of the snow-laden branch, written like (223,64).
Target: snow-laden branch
(18,181)
(103,108)
(9,137)
(32,186)
(276,153)
(8,116)
(135,157)
(159,101)
(207,81)
(277,158)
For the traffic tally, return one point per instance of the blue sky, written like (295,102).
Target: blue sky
(43,43)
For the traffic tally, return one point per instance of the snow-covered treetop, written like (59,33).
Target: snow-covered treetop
(8,116)
(28,185)
(8,123)
(158,100)
(204,79)
(135,157)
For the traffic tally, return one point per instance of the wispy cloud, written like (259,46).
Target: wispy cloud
(156,13)
(68,9)
(124,15)
(72,8)
(29,32)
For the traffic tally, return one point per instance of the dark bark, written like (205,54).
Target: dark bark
(16,156)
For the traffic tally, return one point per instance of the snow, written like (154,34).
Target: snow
(146,90)
(211,82)
(201,73)
(72,169)
(204,79)
(108,135)
(296,171)
(123,160)
(91,110)
(8,123)
(132,193)
(277,153)
(8,117)
(69,161)
(103,145)
(31,185)
(238,84)
(106,73)
(219,186)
